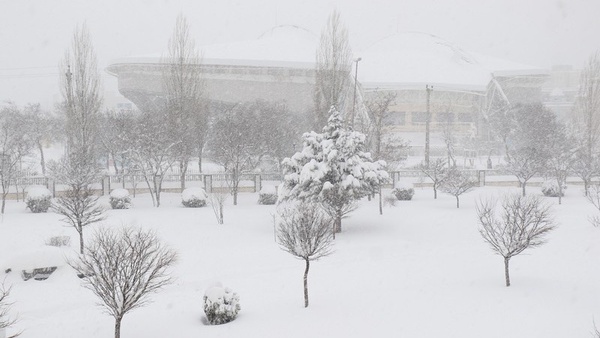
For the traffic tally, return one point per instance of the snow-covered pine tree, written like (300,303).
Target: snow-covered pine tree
(333,169)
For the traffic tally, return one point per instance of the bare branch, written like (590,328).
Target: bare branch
(522,223)
(123,268)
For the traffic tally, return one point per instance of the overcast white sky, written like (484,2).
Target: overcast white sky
(35,33)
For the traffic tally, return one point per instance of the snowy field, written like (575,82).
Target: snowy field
(420,270)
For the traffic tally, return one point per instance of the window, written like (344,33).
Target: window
(395,118)
(419,117)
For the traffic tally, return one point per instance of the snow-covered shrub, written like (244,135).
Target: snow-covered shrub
(267,195)
(390,200)
(403,191)
(194,197)
(551,189)
(221,305)
(120,199)
(38,199)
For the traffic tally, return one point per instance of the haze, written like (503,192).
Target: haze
(35,34)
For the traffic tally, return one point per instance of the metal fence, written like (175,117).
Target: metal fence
(251,182)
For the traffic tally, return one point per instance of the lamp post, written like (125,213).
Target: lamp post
(428,90)
(355,85)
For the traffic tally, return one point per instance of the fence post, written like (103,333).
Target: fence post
(208,183)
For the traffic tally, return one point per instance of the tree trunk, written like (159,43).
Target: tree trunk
(42,160)
(118,327)
(4,202)
(457,202)
(182,172)
(523,185)
(80,230)
(434,192)
(306,282)
(380,202)
(200,160)
(115,163)
(506,274)
(560,193)
(338,221)
(157,187)
(221,221)
(586,186)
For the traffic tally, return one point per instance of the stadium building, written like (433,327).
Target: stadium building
(279,66)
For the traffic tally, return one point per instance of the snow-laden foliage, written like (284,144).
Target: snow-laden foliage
(38,199)
(194,197)
(333,169)
(551,189)
(221,305)
(120,199)
(403,191)
(267,195)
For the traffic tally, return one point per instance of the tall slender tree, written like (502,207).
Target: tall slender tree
(588,121)
(80,88)
(186,103)
(333,67)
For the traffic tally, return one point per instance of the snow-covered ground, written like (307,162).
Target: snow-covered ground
(420,270)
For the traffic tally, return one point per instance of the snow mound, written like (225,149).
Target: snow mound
(44,257)
(38,192)
(119,193)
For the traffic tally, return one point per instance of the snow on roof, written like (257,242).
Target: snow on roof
(415,59)
(282,46)
(401,61)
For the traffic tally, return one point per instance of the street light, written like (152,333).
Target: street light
(355,85)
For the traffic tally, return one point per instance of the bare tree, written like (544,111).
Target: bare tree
(217,202)
(15,144)
(278,129)
(333,66)
(78,205)
(186,104)
(522,223)
(531,142)
(43,128)
(6,320)
(305,232)
(436,171)
(378,106)
(449,134)
(561,159)
(80,88)
(234,143)
(503,124)
(588,119)
(151,152)
(123,267)
(593,197)
(456,183)
(116,139)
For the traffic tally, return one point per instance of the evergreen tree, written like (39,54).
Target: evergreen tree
(332,170)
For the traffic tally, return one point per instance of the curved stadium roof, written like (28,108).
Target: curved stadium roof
(401,61)
(414,59)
